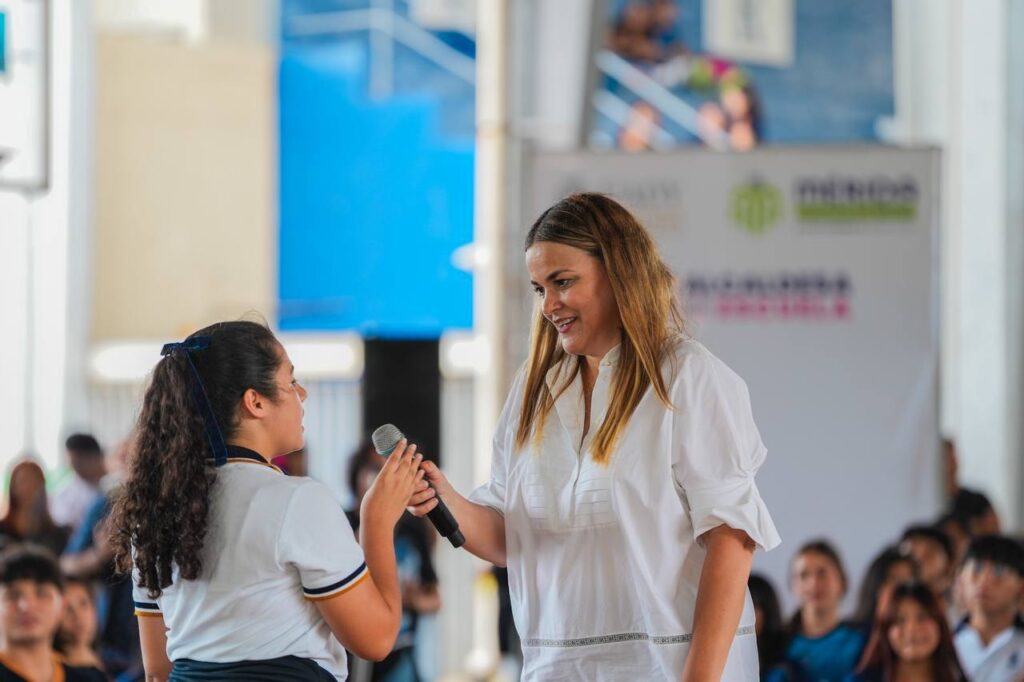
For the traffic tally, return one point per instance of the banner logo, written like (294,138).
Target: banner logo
(756,206)
(842,198)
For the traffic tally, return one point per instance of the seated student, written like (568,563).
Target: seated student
(822,646)
(420,594)
(31,606)
(768,628)
(990,641)
(241,572)
(27,518)
(910,641)
(887,570)
(933,553)
(76,636)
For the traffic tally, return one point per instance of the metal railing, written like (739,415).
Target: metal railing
(654,93)
(386,27)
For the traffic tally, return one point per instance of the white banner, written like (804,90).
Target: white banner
(813,273)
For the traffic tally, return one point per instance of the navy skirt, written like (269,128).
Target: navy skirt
(286,669)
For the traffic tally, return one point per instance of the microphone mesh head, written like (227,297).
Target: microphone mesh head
(386,438)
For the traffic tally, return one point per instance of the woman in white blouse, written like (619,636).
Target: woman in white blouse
(622,495)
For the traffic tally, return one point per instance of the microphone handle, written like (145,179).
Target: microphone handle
(445,523)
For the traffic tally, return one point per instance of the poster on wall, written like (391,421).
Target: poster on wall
(24,36)
(813,274)
(734,74)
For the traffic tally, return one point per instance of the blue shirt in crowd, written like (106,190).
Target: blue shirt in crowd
(830,658)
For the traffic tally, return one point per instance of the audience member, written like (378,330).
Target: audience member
(821,647)
(70,504)
(990,641)
(420,593)
(932,551)
(768,628)
(888,569)
(27,518)
(89,557)
(911,641)
(971,506)
(76,637)
(31,604)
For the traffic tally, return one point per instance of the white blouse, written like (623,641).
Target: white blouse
(604,561)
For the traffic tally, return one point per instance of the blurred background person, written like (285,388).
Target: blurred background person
(76,636)
(910,641)
(889,568)
(89,558)
(990,642)
(932,552)
(413,545)
(27,516)
(73,500)
(822,646)
(31,609)
(772,637)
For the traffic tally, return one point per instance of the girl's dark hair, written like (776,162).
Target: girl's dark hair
(874,578)
(879,655)
(823,548)
(764,597)
(162,516)
(772,641)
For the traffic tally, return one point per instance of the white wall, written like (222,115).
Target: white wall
(953,86)
(45,261)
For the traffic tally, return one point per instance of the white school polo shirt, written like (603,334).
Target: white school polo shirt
(1001,661)
(275,545)
(603,561)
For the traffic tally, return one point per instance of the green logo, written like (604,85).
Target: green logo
(755,206)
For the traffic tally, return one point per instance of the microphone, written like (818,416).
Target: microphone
(384,441)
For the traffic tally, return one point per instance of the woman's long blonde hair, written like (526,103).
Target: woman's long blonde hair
(645,293)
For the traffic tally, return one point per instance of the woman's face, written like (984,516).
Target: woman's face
(914,635)
(79,620)
(285,413)
(817,582)
(576,298)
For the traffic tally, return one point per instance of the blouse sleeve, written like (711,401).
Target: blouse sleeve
(717,450)
(492,493)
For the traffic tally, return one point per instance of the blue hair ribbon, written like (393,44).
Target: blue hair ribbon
(202,401)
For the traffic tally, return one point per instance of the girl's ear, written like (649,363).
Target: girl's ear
(253,404)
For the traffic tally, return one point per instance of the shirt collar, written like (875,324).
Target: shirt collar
(555,378)
(237,454)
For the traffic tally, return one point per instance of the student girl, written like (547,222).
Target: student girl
(241,572)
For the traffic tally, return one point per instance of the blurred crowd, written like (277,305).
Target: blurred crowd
(64,605)
(941,601)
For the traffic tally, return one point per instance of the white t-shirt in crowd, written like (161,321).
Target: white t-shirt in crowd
(275,545)
(1001,661)
(604,561)
(69,505)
